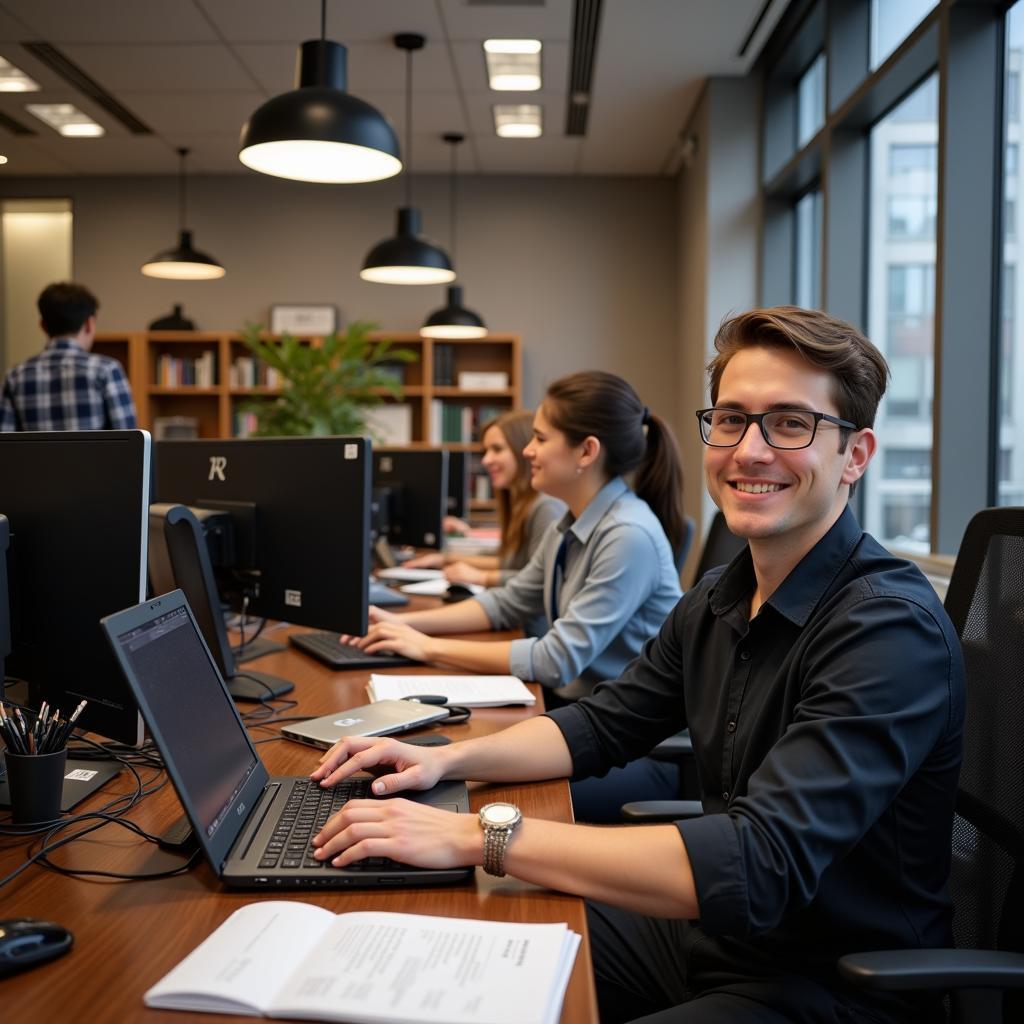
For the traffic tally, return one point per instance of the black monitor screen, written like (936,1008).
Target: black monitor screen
(77,505)
(458,484)
(301,508)
(417,486)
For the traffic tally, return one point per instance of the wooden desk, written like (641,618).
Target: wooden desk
(129,934)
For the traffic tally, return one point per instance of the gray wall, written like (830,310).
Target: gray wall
(718,203)
(583,268)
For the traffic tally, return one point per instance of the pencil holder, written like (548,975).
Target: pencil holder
(36,783)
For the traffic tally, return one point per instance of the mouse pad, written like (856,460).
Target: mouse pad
(81,778)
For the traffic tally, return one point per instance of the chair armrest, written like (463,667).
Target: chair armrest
(933,969)
(648,811)
(674,749)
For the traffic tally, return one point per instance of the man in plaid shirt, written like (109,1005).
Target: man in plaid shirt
(66,387)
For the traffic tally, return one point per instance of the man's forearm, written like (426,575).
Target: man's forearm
(526,752)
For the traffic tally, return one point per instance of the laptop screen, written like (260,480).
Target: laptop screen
(199,726)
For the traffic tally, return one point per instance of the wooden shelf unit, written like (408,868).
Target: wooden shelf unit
(214,406)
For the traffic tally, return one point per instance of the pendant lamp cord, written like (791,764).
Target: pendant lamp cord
(182,153)
(323,20)
(408,127)
(453,204)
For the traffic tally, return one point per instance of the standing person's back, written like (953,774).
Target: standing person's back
(66,387)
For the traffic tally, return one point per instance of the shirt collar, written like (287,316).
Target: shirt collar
(802,590)
(63,343)
(583,527)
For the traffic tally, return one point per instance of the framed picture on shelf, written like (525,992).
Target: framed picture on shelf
(303,319)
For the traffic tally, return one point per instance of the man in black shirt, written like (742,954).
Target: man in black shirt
(823,687)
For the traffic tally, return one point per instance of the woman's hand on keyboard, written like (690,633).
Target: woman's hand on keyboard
(394,636)
(408,767)
(411,833)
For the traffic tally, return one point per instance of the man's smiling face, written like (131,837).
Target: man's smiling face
(766,492)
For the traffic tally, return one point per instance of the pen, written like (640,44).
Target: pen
(51,737)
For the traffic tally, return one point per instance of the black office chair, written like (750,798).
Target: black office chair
(689,531)
(986,603)
(720,547)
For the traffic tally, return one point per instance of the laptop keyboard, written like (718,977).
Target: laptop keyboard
(327,648)
(305,814)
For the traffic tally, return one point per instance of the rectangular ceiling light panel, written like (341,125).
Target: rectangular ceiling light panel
(518,120)
(13,79)
(513,65)
(66,119)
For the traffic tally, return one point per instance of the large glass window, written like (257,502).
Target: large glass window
(810,101)
(891,22)
(807,250)
(1010,466)
(901,316)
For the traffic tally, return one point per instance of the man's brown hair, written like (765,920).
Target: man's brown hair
(859,371)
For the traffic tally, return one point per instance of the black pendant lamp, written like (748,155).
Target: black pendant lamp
(454,320)
(407,258)
(183,263)
(318,132)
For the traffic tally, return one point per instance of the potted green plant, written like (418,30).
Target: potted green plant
(326,388)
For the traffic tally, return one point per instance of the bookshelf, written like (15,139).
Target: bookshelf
(208,375)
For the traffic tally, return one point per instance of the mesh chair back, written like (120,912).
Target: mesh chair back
(720,548)
(689,530)
(985,601)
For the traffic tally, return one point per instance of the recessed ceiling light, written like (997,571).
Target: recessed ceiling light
(66,119)
(513,65)
(518,121)
(3,159)
(13,79)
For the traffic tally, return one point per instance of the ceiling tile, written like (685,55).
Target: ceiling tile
(213,113)
(549,21)
(112,21)
(158,68)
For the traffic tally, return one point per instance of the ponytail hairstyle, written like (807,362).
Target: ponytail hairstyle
(514,503)
(632,437)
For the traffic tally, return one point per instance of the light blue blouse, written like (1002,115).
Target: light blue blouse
(618,587)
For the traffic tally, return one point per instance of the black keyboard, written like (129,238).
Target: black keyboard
(327,648)
(305,814)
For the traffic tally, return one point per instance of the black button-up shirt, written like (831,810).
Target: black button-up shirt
(827,732)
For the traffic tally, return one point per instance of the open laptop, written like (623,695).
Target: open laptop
(253,827)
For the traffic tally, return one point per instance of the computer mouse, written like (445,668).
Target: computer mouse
(430,740)
(457,592)
(27,942)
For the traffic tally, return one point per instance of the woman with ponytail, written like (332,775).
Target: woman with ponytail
(604,575)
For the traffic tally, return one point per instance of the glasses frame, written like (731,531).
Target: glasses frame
(758,418)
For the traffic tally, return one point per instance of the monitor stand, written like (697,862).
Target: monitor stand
(190,561)
(256,686)
(81,779)
(256,649)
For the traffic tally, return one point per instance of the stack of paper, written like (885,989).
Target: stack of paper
(470,691)
(436,588)
(410,575)
(284,959)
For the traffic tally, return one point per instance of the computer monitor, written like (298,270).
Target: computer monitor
(458,484)
(77,505)
(300,507)
(416,485)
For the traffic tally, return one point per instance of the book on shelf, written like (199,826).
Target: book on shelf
(187,371)
(250,372)
(455,423)
(281,958)
(244,424)
(469,691)
(483,380)
(389,423)
(444,365)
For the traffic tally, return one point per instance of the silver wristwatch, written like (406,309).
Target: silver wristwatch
(499,821)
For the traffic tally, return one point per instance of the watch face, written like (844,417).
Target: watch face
(500,814)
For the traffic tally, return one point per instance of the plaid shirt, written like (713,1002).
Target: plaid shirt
(66,388)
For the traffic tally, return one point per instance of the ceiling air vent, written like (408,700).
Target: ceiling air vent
(586,18)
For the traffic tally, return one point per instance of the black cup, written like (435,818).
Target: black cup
(36,783)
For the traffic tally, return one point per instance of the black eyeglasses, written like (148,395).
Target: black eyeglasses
(788,429)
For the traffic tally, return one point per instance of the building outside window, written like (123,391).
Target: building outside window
(891,22)
(901,315)
(807,250)
(810,101)
(1010,464)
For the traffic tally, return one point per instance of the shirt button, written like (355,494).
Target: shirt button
(731,727)
(725,795)
(744,655)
